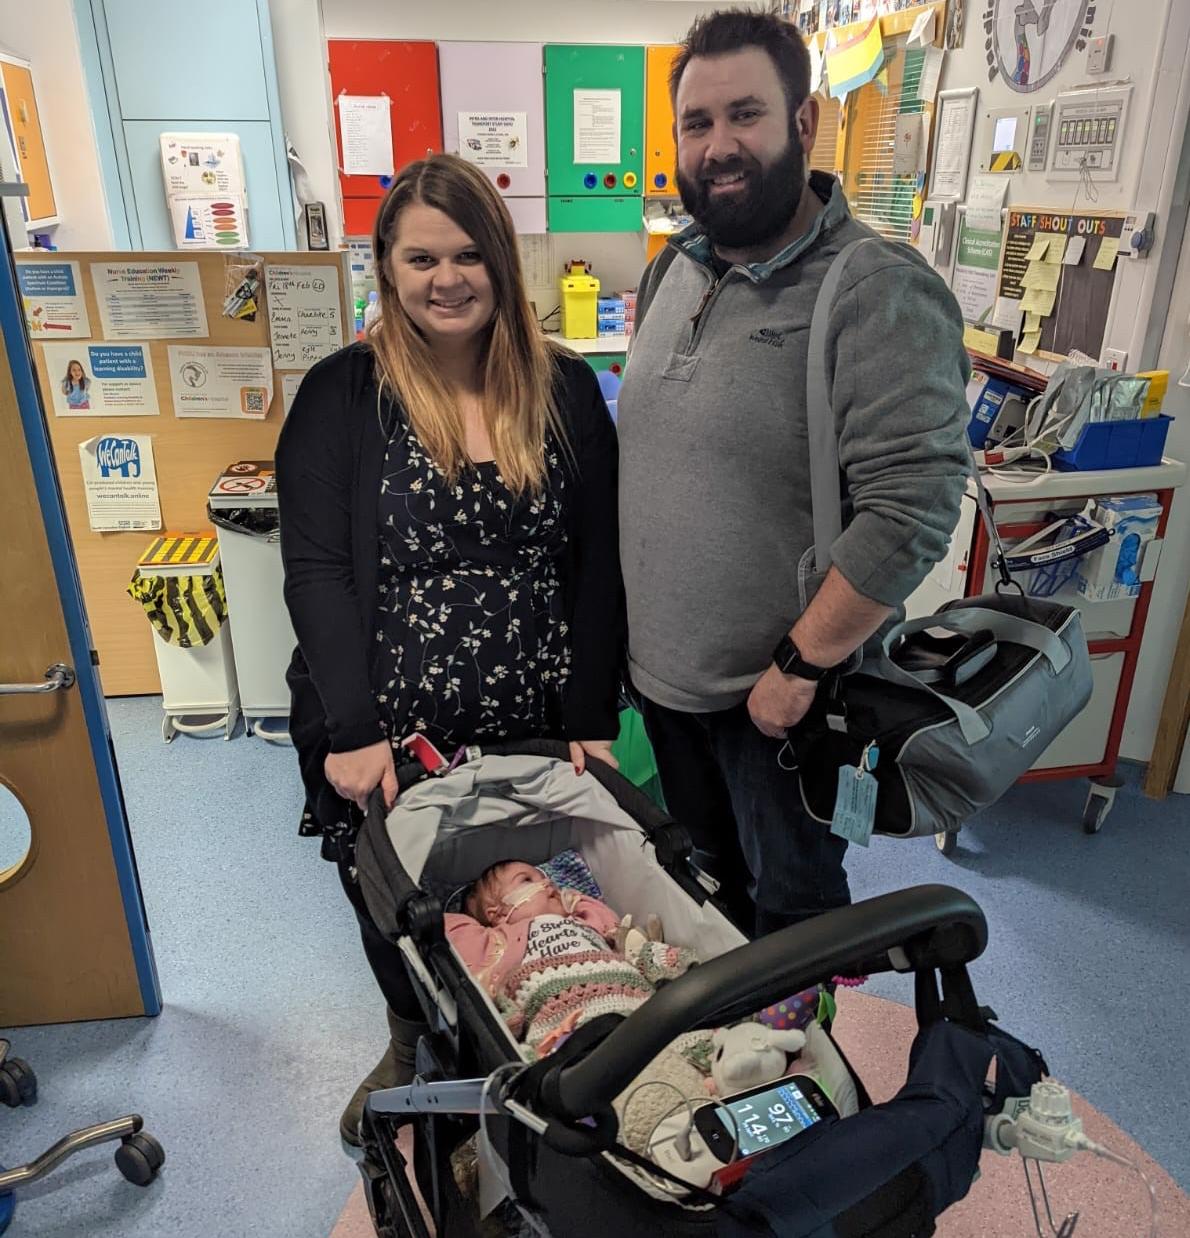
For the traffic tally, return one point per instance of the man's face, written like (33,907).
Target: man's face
(740,171)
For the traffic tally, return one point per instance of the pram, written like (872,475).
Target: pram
(549,1129)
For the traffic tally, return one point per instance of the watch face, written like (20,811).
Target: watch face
(1032,38)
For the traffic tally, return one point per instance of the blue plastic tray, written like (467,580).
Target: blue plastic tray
(1117,445)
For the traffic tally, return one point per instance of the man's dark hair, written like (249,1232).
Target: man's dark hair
(731,30)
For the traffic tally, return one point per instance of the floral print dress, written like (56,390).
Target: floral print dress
(472,642)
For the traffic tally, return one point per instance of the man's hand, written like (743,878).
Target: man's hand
(778,702)
(356,774)
(600,749)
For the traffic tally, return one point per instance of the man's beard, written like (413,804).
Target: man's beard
(760,212)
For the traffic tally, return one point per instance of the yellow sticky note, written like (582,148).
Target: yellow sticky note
(1040,245)
(1105,259)
(1030,342)
(1056,250)
(1039,301)
(1032,323)
(1042,275)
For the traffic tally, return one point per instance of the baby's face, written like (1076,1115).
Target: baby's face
(523,893)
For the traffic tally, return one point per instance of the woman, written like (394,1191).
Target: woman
(75,387)
(448,516)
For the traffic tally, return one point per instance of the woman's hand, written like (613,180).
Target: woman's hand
(600,749)
(356,774)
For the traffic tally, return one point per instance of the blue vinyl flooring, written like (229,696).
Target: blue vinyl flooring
(271,1016)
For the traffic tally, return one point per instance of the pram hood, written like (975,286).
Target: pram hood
(445,831)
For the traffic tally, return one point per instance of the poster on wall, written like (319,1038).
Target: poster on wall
(597,122)
(494,139)
(120,481)
(149,300)
(52,294)
(976,268)
(221,382)
(305,316)
(203,175)
(92,380)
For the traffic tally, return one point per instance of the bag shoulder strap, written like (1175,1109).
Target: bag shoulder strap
(826,498)
(650,281)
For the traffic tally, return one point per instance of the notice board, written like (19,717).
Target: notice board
(189,451)
(1084,292)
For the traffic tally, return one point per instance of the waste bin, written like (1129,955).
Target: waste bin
(242,506)
(179,582)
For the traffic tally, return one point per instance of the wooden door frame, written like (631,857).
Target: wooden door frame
(32,418)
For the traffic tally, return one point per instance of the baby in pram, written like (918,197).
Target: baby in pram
(554,958)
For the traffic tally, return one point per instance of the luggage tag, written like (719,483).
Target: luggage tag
(855,802)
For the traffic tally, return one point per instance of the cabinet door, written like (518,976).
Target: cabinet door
(214,73)
(30,145)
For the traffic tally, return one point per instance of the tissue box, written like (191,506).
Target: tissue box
(1113,571)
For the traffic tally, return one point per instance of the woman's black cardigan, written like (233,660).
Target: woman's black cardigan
(329,461)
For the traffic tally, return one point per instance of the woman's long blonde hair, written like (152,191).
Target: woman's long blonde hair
(518,361)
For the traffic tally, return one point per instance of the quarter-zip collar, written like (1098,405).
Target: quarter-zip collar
(695,243)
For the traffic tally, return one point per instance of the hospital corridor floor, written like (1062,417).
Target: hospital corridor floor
(271,1016)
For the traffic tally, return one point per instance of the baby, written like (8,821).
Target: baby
(553,959)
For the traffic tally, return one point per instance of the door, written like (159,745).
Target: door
(72,922)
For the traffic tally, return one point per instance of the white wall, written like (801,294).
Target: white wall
(44,33)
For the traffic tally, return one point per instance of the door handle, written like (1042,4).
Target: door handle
(57,677)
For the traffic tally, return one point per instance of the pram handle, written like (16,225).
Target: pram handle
(925,927)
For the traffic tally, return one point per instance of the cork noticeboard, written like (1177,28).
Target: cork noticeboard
(189,453)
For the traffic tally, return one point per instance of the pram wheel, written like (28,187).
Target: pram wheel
(946,841)
(139,1157)
(18,1083)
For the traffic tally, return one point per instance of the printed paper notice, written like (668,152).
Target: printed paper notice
(221,382)
(597,126)
(985,203)
(120,481)
(305,318)
(365,125)
(289,389)
(494,139)
(91,380)
(149,300)
(52,293)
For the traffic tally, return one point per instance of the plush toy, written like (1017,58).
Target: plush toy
(750,1054)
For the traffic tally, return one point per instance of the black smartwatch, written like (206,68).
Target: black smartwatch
(789,661)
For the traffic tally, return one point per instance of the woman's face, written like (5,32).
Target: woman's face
(75,372)
(439,275)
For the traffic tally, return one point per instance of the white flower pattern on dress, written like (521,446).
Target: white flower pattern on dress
(471,637)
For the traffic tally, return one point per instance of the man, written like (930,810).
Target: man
(715,514)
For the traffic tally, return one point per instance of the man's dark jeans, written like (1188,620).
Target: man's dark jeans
(722,781)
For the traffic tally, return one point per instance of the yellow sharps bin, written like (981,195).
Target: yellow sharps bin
(579,291)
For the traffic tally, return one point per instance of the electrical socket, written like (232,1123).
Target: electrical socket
(1115,359)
